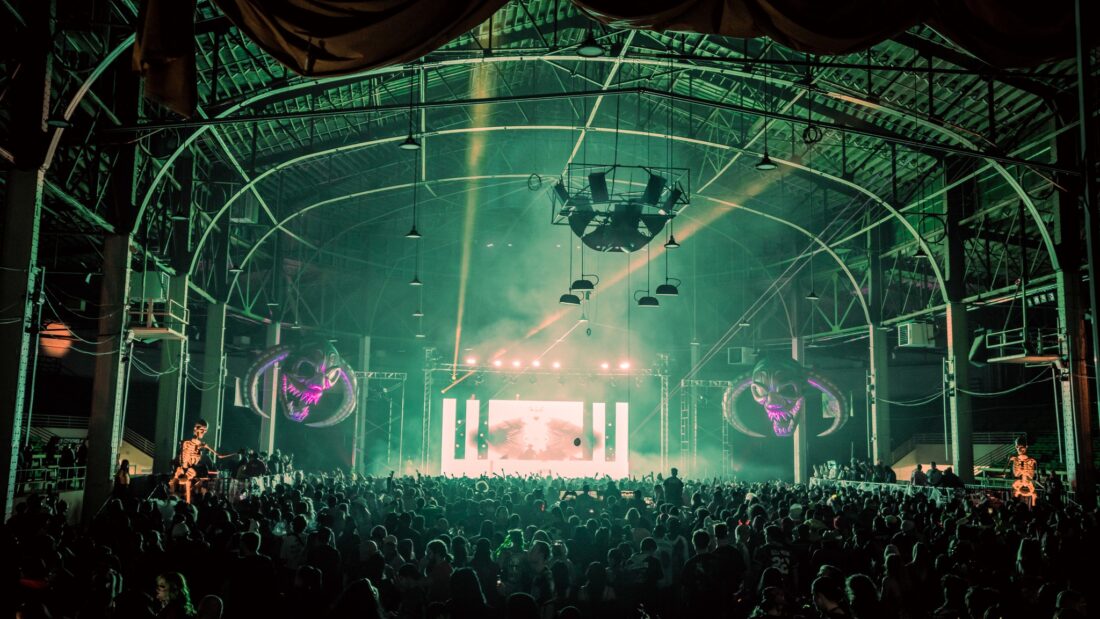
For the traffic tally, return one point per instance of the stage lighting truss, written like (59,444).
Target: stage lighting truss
(619,208)
(547,370)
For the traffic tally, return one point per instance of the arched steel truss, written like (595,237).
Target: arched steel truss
(854,100)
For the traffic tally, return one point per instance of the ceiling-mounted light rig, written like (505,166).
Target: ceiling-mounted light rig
(604,207)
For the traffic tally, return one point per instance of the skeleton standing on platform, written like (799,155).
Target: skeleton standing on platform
(190,455)
(1023,469)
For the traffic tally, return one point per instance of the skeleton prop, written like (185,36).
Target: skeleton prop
(1023,469)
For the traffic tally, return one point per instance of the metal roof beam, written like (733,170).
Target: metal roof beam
(971,64)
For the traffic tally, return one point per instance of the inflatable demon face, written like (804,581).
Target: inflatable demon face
(777,385)
(308,374)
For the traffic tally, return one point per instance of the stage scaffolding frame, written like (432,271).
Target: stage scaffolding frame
(460,372)
(689,425)
(359,434)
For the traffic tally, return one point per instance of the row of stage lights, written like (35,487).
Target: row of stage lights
(556,365)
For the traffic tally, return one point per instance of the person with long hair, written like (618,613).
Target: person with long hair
(122,481)
(174,597)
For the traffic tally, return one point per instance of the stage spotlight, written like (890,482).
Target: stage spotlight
(597,186)
(498,363)
(653,189)
(625,365)
(516,364)
(556,365)
(536,363)
(471,361)
(605,365)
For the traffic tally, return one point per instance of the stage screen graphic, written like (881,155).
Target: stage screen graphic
(531,430)
(568,438)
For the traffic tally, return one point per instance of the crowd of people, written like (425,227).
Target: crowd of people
(57,464)
(542,547)
(856,470)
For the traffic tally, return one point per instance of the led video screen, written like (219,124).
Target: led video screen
(523,437)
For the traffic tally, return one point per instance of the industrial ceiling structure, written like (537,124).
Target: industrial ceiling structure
(910,180)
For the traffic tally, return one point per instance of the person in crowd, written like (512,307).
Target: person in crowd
(918,477)
(674,488)
(950,479)
(935,475)
(173,597)
(755,549)
(121,488)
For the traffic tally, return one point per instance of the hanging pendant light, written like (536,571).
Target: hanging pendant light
(766,164)
(583,284)
(668,289)
(590,47)
(413,233)
(569,298)
(410,142)
(647,300)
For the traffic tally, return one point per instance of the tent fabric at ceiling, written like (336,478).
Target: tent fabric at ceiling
(330,37)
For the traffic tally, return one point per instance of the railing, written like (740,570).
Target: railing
(49,479)
(141,443)
(997,457)
(999,488)
(238,489)
(977,438)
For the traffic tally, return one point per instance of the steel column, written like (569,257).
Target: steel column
(959,202)
(29,103)
(104,424)
(358,448)
(212,403)
(272,337)
(878,392)
(800,439)
(170,385)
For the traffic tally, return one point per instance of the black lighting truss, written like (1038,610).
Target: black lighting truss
(619,208)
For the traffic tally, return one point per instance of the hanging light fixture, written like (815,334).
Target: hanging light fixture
(416,273)
(671,243)
(812,296)
(569,298)
(590,47)
(668,289)
(766,164)
(410,142)
(583,284)
(647,300)
(413,233)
